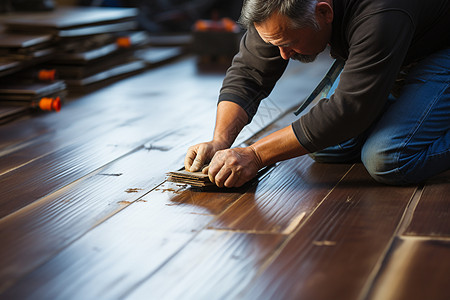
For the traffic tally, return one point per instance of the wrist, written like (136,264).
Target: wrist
(220,144)
(257,158)
(278,146)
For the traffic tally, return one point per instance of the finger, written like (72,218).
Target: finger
(231,180)
(199,161)
(222,176)
(205,170)
(189,159)
(213,169)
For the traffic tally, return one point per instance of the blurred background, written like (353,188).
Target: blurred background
(154,15)
(52,49)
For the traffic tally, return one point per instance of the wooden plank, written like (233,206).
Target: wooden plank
(212,266)
(282,202)
(431,217)
(333,254)
(117,254)
(47,174)
(15,40)
(68,17)
(414,269)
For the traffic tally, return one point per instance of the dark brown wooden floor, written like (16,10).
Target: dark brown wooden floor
(86,213)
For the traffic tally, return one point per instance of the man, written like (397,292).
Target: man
(400,140)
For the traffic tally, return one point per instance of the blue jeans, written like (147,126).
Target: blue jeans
(410,142)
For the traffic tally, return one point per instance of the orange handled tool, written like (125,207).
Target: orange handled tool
(47,75)
(49,104)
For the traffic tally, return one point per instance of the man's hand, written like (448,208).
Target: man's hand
(233,167)
(198,155)
(230,120)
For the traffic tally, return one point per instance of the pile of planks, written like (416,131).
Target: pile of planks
(194,179)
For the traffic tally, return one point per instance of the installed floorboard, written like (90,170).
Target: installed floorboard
(431,217)
(415,268)
(214,265)
(123,250)
(333,254)
(55,221)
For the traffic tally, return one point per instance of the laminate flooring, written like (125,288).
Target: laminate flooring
(86,211)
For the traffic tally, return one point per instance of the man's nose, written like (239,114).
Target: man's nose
(285,52)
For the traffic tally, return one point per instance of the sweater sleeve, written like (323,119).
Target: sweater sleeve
(378,46)
(253,73)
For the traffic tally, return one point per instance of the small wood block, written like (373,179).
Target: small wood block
(195,179)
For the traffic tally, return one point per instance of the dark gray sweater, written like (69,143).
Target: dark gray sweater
(375,37)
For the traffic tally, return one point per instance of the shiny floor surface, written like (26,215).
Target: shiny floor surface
(86,212)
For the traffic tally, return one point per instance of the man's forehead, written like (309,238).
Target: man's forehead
(274,28)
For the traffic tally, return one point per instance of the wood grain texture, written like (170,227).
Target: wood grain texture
(46,163)
(214,265)
(414,269)
(431,217)
(123,250)
(85,215)
(333,254)
(280,201)
(55,221)
(57,149)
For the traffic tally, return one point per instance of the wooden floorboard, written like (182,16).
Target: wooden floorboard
(135,243)
(190,204)
(415,268)
(431,217)
(55,221)
(334,253)
(215,265)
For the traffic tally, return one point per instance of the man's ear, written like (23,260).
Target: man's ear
(325,12)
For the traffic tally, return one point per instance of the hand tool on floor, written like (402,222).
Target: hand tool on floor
(324,85)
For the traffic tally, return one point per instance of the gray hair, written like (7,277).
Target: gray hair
(300,12)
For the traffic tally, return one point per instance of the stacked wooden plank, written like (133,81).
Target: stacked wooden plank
(194,179)
(24,84)
(94,44)
(81,46)
(18,51)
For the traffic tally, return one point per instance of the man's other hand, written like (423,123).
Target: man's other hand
(233,167)
(199,155)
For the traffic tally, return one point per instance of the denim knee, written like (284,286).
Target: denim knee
(383,166)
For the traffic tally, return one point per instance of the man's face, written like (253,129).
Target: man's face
(302,44)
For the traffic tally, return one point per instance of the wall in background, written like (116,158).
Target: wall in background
(66,2)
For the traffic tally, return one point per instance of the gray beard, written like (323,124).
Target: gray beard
(304,58)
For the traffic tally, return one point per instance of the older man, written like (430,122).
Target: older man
(401,140)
